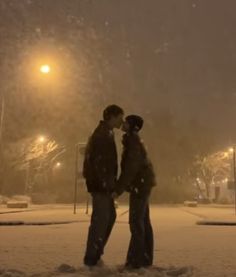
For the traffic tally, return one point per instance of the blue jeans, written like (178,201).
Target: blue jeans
(140,252)
(102,221)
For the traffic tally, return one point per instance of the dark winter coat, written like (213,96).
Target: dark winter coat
(137,174)
(100,163)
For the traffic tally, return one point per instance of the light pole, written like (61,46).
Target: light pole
(76,175)
(232,150)
(2,116)
(2,162)
(44,69)
(79,148)
(1,126)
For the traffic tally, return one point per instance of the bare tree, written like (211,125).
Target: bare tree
(212,168)
(34,157)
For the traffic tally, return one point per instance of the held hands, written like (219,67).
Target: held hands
(115,193)
(118,189)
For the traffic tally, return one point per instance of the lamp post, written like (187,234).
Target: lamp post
(79,149)
(2,116)
(2,162)
(44,69)
(232,150)
(76,176)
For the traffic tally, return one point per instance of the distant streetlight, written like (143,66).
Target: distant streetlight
(41,139)
(58,164)
(226,154)
(45,69)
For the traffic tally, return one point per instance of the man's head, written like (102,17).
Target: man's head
(133,123)
(113,115)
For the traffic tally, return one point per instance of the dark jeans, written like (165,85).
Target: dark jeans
(102,221)
(140,251)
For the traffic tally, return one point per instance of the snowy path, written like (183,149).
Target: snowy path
(179,242)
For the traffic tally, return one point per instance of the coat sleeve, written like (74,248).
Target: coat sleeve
(131,163)
(100,158)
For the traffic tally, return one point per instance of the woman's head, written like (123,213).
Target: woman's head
(133,123)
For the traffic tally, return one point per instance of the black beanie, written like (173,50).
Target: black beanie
(135,122)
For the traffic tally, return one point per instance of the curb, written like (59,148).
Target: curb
(17,223)
(216,223)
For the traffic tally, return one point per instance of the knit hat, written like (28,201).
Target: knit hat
(135,122)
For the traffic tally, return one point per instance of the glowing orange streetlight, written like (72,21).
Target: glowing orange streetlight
(58,164)
(41,139)
(45,69)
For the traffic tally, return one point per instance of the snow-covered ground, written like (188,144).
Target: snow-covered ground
(182,248)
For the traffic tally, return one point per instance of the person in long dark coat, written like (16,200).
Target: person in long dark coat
(100,172)
(138,178)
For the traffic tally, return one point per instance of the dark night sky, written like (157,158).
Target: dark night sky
(147,55)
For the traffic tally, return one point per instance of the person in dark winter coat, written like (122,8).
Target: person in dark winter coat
(100,172)
(137,177)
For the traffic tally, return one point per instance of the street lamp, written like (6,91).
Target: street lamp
(41,139)
(45,69)
(58,164)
